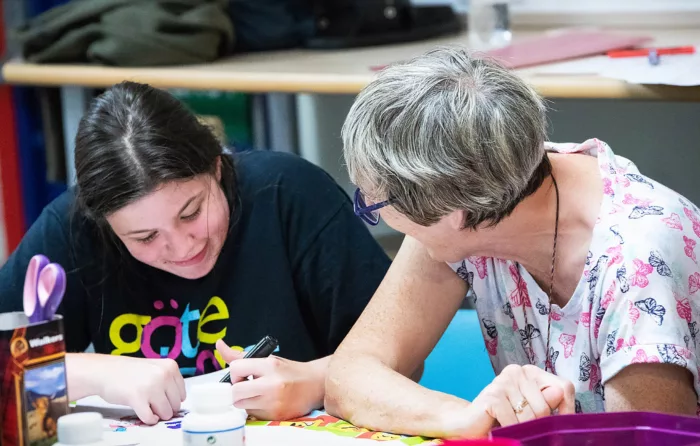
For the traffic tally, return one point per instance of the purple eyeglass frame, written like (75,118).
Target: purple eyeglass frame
(369,213)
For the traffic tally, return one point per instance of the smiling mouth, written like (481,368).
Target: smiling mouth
(194,260)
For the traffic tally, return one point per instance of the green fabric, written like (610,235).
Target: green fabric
(129,32)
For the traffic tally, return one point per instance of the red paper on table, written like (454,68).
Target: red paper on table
(562,46)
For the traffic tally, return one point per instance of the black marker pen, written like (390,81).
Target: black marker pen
(262,349)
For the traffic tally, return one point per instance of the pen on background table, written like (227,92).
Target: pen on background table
(654,57)
(645,52)
(262,349)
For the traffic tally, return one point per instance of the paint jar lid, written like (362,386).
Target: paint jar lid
(211,397)
(80,428)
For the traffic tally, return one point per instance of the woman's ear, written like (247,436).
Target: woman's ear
(456,220)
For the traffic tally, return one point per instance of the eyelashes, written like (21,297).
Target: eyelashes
(191,217)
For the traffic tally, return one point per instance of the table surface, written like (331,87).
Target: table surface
(337,71)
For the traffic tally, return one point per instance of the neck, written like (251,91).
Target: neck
(527,235)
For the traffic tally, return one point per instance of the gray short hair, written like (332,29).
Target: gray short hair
(447,131)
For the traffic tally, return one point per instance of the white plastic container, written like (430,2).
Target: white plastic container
(213,419)
(84,429)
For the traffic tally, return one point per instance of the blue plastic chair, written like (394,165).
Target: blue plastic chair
(459,364)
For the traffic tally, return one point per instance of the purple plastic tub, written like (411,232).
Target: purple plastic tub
(606,429)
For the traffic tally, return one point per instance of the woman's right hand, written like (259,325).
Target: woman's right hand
(516,395)
(154,388)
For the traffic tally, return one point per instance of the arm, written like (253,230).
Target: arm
(647,337)
(404,320)
(84,368)
(652,388)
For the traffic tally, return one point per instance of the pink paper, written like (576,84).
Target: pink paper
(567,45)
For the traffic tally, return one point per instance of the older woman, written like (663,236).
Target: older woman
(583,271)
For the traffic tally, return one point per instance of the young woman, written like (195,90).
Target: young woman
(170,245)
(583,271)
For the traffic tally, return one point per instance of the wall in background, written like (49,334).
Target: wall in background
(622,13)
(662,138)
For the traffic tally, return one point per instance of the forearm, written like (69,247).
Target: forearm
(81,374)
(369,394)
(319,372)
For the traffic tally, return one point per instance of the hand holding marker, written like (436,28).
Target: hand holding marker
(262,349)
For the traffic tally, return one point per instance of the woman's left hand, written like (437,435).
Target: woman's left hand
(281,389)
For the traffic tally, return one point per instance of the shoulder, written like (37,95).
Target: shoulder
(62,211)
(651,241)
(287,176)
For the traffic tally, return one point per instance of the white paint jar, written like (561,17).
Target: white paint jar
(84,429)
(213,420)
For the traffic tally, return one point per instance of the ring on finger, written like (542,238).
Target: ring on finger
(518,409)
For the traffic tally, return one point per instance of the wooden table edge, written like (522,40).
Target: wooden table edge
(197,78)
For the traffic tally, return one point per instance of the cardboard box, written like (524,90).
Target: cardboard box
(33,389)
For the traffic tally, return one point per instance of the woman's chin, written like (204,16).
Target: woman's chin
(193,272)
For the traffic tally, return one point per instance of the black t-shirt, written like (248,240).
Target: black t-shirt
(297,265)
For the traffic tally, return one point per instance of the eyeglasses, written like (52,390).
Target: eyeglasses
(369,214)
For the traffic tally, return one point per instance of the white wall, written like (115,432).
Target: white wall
(630,13)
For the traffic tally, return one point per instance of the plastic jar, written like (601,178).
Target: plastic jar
(213,419)
(84,429)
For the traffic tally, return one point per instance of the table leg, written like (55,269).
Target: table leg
(74,102)
(281,122)
(258,121)
(320,118)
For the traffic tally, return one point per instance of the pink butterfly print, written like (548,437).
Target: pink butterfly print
(694,283)
(642,202)
(633,312)
(622,180)
(567,341)
(555,316)
(683,308)
(694,219)
(520,295)
(609,296)
(492,346)
(673,221)
(684,352)
(622,344)
(616,207)
(585,319)
(690,248)
(615,255)
(619,344)
(639,278)
(607,187)
(480,263)
(596,326)
(641,358)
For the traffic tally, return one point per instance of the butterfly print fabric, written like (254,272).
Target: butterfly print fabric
(637,301)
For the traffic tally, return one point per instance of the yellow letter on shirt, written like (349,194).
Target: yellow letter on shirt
(219,312)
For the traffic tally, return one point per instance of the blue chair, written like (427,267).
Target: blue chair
(459,364)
